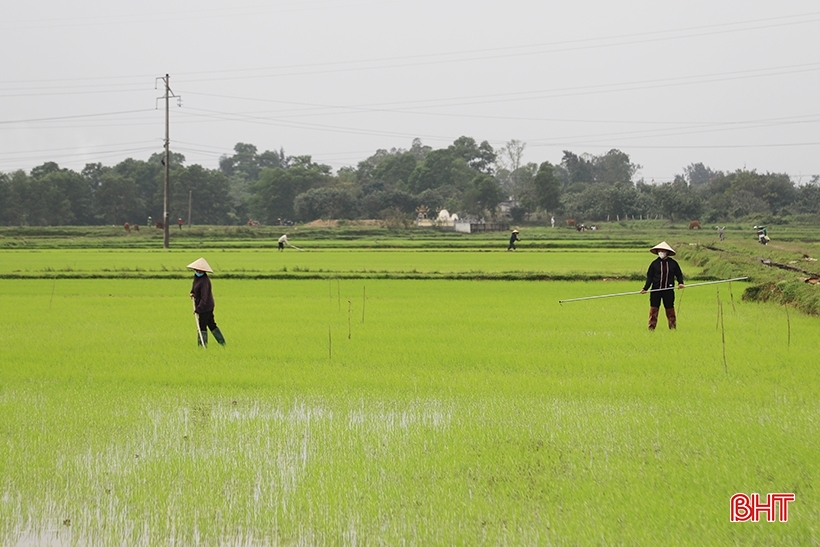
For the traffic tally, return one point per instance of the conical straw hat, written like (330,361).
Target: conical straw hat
(201,265)
(663,246)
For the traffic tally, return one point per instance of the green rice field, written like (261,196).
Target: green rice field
(351,408)
(345,263)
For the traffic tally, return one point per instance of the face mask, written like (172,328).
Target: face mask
(199,274)
(661,254)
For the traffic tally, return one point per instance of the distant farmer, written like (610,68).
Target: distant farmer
(661,276)
(283,241)
(552,221)
(513,238)
(204,302)
(720,232)
(179,223)
(150,221)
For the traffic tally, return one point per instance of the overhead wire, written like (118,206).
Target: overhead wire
(416,107)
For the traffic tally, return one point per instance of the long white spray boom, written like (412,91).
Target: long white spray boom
(652,290)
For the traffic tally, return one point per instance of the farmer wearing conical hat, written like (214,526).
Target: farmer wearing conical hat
(204,302)
(513,238)
(661,276)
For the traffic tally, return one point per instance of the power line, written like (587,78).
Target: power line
(51,150)
(583,43)
(500,52)
(75,117)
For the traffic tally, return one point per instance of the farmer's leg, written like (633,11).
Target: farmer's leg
(654,307)
(204,322)
(669,305)
(215,330)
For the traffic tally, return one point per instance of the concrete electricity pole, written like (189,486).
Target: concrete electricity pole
(167,161)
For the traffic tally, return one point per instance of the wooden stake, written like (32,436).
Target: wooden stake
(788,326)
(54,287)
(722,333)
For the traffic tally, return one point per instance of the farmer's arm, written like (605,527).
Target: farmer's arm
(649,275)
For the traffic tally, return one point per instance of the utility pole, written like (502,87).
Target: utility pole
(167,161)
(190,199)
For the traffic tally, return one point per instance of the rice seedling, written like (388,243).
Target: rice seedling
(460,412)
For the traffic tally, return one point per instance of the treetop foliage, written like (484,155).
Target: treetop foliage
(466,177)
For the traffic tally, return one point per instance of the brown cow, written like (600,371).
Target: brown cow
(159,225)
(127,227)
(570,222)
(694,224)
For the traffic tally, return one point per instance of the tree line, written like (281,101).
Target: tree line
(467,177)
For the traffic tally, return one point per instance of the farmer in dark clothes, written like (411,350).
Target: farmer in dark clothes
(204,302)
(662,273)
(513,239)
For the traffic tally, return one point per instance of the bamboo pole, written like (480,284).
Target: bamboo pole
(651,290)
(196,318)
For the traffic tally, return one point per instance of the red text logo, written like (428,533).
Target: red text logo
(744,508)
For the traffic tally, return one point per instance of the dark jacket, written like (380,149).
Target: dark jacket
(203,296)
(663,273)
(513,239)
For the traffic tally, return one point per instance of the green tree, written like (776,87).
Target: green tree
(325,203)
(149,179)
(15,200)
(374,204)
(208,192)
(276,190)
(484,195)
(395,170)
(52,196)
(579,169)
(613,167)
(547,187)
(808,197)
(748,193)
(698,175)
(437,170)
(117,199)
(479,157)
(5,198)
(678,201)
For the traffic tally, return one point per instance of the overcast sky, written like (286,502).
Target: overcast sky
(729,83)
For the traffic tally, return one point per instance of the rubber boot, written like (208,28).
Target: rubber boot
(653,317)
(671,318)
(204,338)
(218,336)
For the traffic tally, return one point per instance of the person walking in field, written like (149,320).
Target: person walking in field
(283,241)
(513,238)
(661,277)
(204,302)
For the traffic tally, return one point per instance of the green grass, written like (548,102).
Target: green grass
(458,412)
(250,263)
